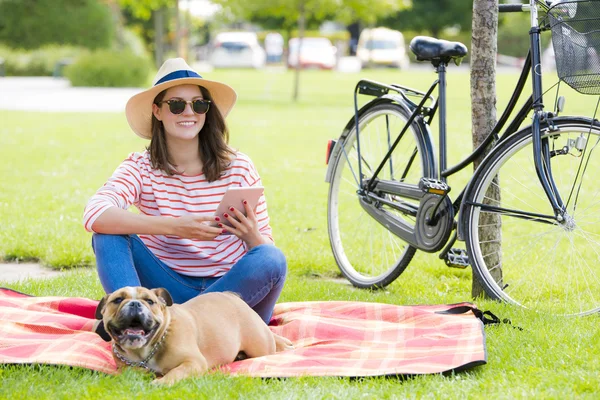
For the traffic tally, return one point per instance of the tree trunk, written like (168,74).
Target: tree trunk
(483,108)
(159,33)
(115,12)
(301,27)
(178,29)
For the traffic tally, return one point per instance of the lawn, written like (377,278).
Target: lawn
(52,163)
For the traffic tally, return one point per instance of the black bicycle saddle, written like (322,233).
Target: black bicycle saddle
(437,50)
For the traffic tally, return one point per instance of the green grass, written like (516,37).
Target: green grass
(52,163)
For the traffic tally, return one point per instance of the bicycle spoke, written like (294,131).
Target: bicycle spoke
(507,192)
(516,284)
(367,253)
(584,168)
(594,195)
(589,271)
(539,263)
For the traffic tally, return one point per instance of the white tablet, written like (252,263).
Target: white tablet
(234,197)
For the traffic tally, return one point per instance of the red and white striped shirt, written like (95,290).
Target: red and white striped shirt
(153,192)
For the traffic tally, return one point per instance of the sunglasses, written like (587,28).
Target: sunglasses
(199,106)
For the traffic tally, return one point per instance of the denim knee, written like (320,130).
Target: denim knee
(273,262)
(99,239)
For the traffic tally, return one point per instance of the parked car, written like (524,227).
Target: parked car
(316,52)
(237,50)
(382,47)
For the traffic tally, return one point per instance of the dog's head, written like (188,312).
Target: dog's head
(134,315)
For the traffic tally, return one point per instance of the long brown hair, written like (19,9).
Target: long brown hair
(215,152)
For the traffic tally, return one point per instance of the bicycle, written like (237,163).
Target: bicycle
(389,191)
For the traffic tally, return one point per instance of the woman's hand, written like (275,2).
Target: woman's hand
(244,227)
(196,227)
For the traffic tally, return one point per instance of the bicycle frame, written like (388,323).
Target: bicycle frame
(534,102)
(423,115)
(389,196)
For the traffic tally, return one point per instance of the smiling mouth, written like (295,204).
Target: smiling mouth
(186,123)
(133,332)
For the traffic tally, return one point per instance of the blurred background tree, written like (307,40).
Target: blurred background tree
(49,37)
(38,35)
(150,19)
(299,12)
(432,16)
(30,24)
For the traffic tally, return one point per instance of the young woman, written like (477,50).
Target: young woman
(176,241)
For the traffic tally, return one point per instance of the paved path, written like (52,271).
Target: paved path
(13,272)
(57,95)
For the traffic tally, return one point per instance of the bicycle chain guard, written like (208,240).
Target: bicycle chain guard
(432,237)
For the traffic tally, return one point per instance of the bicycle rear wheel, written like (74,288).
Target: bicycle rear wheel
(538,263)
(367,253)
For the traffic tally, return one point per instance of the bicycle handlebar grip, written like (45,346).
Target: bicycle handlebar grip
(504,8)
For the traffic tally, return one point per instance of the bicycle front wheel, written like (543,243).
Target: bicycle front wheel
(367,253)
(532,261)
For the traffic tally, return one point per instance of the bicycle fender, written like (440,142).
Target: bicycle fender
(388,98)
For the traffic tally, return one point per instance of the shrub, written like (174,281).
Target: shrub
(30,24)
(39,62)
(109,69)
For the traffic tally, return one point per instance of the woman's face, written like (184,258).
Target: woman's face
(184,126)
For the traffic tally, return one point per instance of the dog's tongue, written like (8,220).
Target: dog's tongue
(131,331)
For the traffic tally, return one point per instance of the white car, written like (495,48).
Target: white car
(382,47)
(316,52)
(237,50)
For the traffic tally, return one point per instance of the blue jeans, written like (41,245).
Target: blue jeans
(124,260)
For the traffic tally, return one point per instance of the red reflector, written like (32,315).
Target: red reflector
(330,145)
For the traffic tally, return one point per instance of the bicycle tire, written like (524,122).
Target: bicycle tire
(550,268)
(367,254)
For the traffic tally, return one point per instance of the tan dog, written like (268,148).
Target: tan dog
(182,340)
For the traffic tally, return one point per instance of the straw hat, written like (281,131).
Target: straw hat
(173,72)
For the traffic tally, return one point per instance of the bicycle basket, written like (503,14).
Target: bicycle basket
(575,29)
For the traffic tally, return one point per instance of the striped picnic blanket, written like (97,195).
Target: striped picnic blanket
(331,338)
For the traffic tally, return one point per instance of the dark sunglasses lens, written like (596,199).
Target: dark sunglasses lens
(177,106)
(200,106)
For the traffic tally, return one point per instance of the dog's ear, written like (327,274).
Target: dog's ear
(163,295)
(100,307)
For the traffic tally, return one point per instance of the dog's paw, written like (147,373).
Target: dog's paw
(288,346)
(163,381)
(158,381)
(282,343)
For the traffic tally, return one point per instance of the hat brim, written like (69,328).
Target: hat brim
(139,107)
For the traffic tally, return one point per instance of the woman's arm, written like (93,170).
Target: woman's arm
(116,221)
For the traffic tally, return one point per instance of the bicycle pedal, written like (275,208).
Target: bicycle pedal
(457,258)
(429,185)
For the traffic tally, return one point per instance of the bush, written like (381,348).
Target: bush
(40,62)
(109,69)
(30,24)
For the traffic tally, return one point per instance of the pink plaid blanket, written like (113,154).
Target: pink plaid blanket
(333,338)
